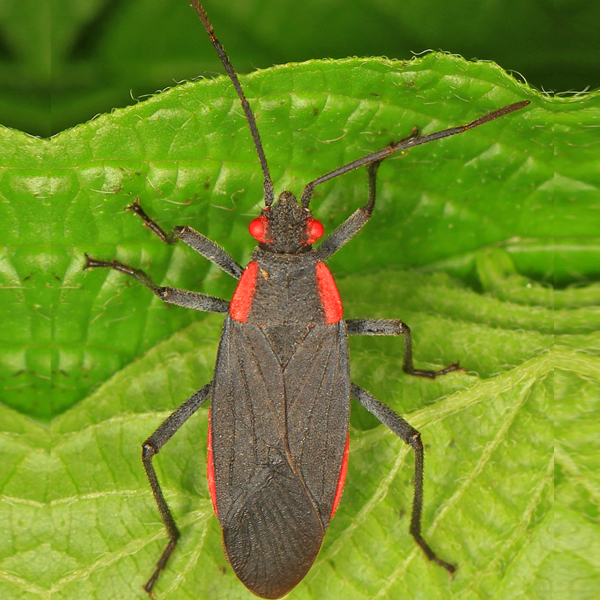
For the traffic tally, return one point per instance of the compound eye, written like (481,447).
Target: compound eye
(258,229)
(315,230)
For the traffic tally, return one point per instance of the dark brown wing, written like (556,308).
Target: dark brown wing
(278,433)
(317,387)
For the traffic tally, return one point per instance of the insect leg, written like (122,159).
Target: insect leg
(193,300)
(409,435)
(356,221)
(198,242)
(396,327)
(150,448)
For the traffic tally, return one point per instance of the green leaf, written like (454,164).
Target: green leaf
(577,482)
(188,154)
(105,54)
(460,247)
(488,440)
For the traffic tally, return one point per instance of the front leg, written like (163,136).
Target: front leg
(409,435)
(356,221)
(396,327)
(198,242)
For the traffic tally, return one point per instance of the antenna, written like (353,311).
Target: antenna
(268,183)
(407,143)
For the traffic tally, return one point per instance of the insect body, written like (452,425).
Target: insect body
(280,397)
(279,418)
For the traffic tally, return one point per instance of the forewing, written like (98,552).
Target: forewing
(271,525)
(317,387)
(248,410)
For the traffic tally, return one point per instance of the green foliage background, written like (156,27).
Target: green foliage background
(467,238)
(64,61)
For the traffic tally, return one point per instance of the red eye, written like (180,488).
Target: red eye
(258,229)
(315,230)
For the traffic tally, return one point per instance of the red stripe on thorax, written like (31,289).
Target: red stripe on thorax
(341,478)
(210,467)
(241,303)
(330,297)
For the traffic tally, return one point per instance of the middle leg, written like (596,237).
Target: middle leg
(185,298)
(396,327)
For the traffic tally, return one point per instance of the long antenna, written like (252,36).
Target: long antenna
(407,143)
(268,183)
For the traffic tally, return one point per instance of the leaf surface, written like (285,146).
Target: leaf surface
(462,247)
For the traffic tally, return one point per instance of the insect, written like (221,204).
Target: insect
(280,397)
